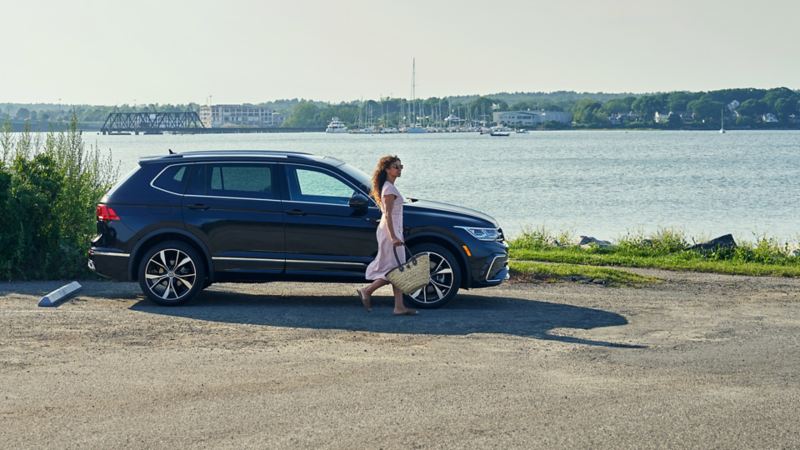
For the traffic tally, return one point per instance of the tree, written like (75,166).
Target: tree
(23,114)
(706,109)
(674,121)
(589,112)
(305,114)
(785,107)
(752,108)
(678,101)
(483,107)
(619,105)
(647,106)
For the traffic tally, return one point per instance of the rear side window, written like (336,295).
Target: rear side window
(239,180)
(172,179)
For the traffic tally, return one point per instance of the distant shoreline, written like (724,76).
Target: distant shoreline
(44,127)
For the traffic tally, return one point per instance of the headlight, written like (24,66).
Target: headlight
(483,234)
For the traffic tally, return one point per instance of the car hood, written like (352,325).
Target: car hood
(423,206)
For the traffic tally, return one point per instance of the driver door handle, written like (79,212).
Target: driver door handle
(296,212)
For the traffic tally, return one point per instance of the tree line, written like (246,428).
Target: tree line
(742,108)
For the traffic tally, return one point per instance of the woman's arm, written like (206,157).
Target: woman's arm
(388,202)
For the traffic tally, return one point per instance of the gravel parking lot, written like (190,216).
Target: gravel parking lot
(699,360)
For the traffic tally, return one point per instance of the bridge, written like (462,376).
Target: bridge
(152,123)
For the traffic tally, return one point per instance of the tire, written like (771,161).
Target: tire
(445,278)
(172,287)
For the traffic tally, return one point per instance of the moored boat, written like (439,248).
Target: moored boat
(336,126)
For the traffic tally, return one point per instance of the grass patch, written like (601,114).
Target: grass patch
(666,249)
(547,272)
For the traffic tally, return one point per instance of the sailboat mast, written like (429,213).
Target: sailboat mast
(413,91)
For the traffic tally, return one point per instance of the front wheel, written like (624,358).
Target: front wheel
(445,277)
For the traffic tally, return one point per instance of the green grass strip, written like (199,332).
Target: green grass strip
(546,272)
(685,261)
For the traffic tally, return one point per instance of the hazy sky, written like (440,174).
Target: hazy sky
(163,51)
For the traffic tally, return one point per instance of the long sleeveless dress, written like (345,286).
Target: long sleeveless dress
(385,260)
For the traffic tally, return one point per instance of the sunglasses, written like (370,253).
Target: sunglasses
(396,166)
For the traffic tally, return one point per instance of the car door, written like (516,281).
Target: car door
(325,235)
(236,208)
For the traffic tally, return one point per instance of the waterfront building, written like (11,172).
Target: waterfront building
(530,118)
(661,117)
(220,116)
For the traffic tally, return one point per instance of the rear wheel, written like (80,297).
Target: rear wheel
(445,278)
(171,273)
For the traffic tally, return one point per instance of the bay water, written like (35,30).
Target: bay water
(599,183)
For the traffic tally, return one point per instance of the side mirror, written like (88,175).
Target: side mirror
(359,201)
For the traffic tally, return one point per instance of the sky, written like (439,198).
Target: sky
(235,51)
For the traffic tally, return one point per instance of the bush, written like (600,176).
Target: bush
(540,239)
(663,241)
(48,194)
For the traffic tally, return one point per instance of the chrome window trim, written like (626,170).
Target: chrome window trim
(210,196)
(320,203)
(335,175)
(123,255)
(489,271)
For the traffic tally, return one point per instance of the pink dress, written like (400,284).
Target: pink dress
(385,260)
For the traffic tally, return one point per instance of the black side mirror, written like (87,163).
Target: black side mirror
(359,201)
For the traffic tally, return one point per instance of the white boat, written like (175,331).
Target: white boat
(500,131)
(522,131)
(336,126)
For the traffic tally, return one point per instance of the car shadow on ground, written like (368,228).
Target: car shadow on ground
(465,315)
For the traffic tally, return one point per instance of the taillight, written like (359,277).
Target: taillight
(105,213)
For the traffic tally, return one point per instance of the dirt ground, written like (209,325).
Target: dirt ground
(700,360)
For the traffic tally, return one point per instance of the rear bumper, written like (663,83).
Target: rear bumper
(109,263)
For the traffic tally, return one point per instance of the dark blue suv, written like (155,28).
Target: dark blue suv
(180,222)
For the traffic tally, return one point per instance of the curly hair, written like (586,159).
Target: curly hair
(379,176)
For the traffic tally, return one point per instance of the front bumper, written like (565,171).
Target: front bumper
(109,263)
(488,264)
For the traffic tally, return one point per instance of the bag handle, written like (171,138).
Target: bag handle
(397,258)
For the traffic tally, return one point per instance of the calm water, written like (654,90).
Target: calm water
(604,183)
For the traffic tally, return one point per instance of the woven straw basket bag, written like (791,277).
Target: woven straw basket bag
(411,275)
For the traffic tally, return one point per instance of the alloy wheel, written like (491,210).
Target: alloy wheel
(441,281)
(170,274)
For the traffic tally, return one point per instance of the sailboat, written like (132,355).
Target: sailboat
(413,127)
(722,121)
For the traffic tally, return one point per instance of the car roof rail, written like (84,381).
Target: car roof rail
(201,153)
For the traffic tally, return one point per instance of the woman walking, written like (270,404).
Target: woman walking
(389,233)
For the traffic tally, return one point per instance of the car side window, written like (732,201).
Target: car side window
(172,179)
(236,180)
(309,185)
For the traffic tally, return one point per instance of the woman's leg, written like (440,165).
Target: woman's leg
(373,287)
(399,306)
(366,292)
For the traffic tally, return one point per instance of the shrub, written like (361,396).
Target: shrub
(48,194)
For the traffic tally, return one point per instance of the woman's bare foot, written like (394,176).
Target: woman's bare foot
(405,312)
(366,300)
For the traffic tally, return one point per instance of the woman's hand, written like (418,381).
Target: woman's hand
(397,242)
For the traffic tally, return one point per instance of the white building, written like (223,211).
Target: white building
(661,117)
(219,116)
(531,118)
(769,118)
